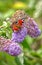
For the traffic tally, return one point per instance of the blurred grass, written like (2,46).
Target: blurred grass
(34,9)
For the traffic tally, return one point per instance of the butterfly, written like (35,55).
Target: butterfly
(17,20)
(17,25)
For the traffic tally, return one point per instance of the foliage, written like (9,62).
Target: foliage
(32,48)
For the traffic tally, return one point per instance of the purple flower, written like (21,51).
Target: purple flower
(19,36)
(29,27)
(32,27)
(8,46)
(13,49)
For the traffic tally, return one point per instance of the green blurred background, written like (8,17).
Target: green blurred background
(32,48)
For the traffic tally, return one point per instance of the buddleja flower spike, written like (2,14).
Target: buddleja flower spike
(8,46)
(22,25)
